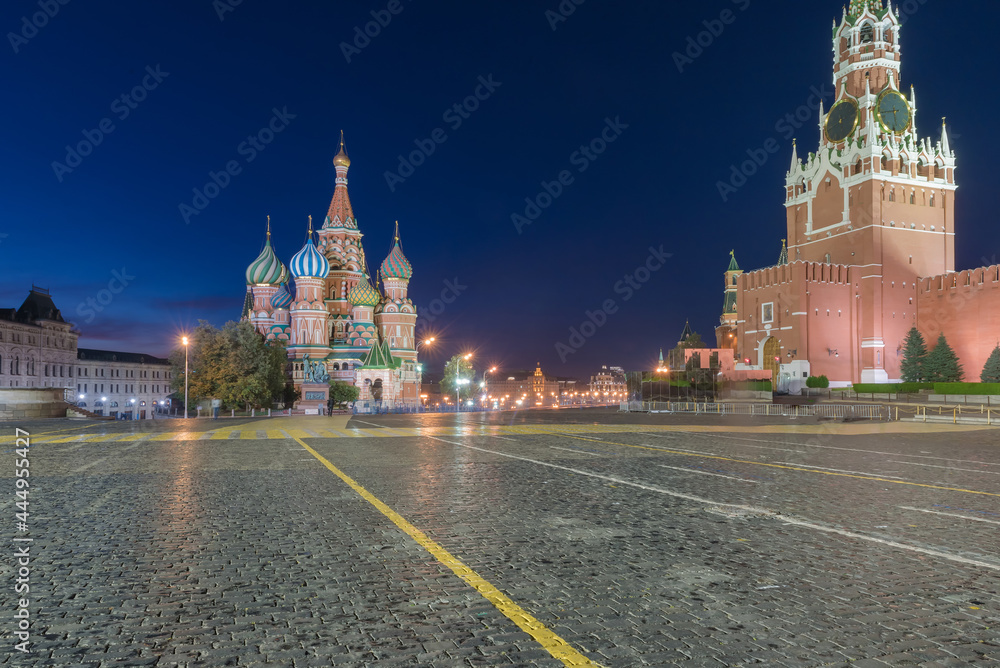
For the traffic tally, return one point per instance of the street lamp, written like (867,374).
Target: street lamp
(185,342)
(485,373)
(458,390)
(135,410)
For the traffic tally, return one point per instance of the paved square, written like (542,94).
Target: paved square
(544,538)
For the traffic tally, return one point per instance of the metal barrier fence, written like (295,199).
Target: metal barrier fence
(857,411)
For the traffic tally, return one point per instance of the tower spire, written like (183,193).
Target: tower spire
(795,158)
(269,229)
(945,143)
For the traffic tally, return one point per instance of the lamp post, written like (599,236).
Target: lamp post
(485,373)
(185,342)
(458,393)
(135,410)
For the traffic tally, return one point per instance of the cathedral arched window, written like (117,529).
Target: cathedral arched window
(892,195)
(913,198)
(932,199)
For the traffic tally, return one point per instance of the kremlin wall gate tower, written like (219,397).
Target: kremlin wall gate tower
(870,235)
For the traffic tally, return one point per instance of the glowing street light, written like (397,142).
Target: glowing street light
(185,342)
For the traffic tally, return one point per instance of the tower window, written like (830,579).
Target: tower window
(892,195)
(913,198)
(867,33)
(932,199)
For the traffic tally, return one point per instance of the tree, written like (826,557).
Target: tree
(234,364)
(991,372)
(457,368)
(342,393)
(942,365)
(914,357)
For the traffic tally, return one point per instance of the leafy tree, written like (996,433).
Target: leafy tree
(455,369)
(234,364)
(991,372)
(914,357)
(342,393)
(942,365)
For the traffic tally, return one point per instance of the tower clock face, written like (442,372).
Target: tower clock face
(842,120)
(894,112)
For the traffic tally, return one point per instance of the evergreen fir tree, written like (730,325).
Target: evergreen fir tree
(991,372)
(914,356)
(941,365)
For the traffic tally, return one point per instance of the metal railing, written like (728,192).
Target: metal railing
(856,411)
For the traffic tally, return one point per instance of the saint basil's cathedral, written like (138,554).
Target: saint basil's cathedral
(870,218)
(325,307)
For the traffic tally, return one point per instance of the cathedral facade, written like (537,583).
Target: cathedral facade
(870,218)
(327,307)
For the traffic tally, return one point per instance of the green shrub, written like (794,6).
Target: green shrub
(818,382)
(967,388)
(891,388)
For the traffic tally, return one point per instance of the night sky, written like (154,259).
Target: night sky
(609,68)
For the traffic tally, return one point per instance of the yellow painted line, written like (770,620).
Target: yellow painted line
(275,434)
(782,466)
(219,435)
(298,433)
(552,643)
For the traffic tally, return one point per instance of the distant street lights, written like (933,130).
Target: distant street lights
(185,342)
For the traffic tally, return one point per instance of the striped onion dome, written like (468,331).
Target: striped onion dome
(282,298)
(266,269)
(396,265)
(363,294)
(309,262)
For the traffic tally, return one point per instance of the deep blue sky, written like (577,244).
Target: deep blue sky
(655,185)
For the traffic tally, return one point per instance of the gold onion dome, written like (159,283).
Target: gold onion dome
(341,159)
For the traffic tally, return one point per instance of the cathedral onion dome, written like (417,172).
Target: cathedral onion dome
(341,159)
(396,265)
(363,294)
(281,299)
(266,269)
(309,262)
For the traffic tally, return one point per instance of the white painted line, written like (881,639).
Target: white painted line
(948,468)
(822,468)
(504,438)
(371,424)
(935,512)
(831,447)
(582,452)
(759,511)
(718,475)
(690,452)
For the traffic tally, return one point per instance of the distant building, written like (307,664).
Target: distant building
(609,384)
(129,384)
(531,389)
(38,349)
(37,346)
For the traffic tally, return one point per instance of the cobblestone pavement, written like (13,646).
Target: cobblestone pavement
(534,539)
